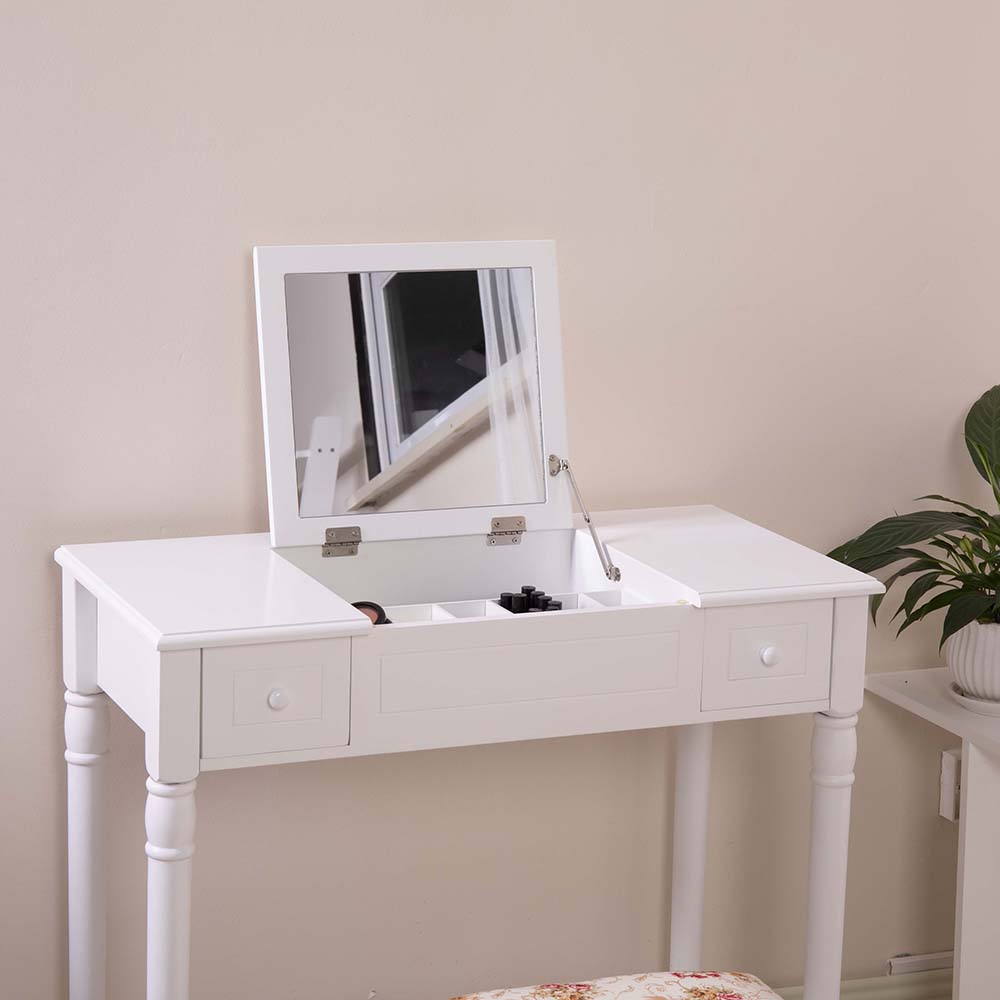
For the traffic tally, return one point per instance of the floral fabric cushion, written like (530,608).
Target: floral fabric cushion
(648,986)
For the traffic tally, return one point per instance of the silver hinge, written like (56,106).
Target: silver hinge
(342,542)
(611,571)
(506,530)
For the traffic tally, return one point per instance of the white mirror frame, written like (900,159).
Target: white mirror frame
(272,263)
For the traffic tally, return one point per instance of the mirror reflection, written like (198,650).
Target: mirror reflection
(414,390)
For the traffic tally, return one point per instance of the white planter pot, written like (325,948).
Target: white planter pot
(973,657)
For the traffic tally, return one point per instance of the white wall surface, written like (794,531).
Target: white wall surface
(778,228)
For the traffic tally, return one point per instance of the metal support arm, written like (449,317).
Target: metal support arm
(557,465)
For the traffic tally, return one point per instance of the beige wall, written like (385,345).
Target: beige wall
(778,227)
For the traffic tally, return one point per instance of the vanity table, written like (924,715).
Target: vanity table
(417,457)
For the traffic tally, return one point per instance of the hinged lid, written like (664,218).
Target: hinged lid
(410,390)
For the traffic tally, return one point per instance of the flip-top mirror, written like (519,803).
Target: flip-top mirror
(410,390)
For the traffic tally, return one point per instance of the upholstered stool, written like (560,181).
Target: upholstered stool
(646,986)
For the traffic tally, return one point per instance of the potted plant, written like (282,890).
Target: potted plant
(953,557)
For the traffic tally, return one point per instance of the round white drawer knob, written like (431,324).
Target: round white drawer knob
(770,656)
(278,699)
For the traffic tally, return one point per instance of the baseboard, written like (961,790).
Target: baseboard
(933,985)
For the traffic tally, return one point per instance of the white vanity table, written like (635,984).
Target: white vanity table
(420,478)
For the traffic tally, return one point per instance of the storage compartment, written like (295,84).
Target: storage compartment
(447,580)
(454,667)
(410,614)
(284,696)
(767,654)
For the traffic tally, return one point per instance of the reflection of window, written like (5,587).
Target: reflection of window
(425,352)
(436,346)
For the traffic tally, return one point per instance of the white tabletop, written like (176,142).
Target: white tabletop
(724,559)
(191,592)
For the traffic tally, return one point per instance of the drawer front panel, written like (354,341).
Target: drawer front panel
(768,654)
(492,676)
(277,694)
(458,683)
(281,696)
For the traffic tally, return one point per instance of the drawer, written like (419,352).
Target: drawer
(280,696)
(526,677)
(767,654)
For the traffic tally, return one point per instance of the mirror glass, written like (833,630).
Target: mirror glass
(414,390)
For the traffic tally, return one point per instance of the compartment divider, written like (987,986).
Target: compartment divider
(403,614)
(493,610)
(408,614)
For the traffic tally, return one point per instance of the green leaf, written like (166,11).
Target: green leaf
(934,604)
(871,563)
(876,604)
(950,545)
(904,529)
(967,607)
(976,549)
(989,527)
(985,515)
(926,556)
(918,588)
(991,473)
(910,568)
(840,552)
(982,428)
(913,567)
(974,581)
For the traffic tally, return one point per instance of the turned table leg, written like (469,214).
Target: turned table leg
(170,821)
(693,768)
(86,754)
(834,749)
